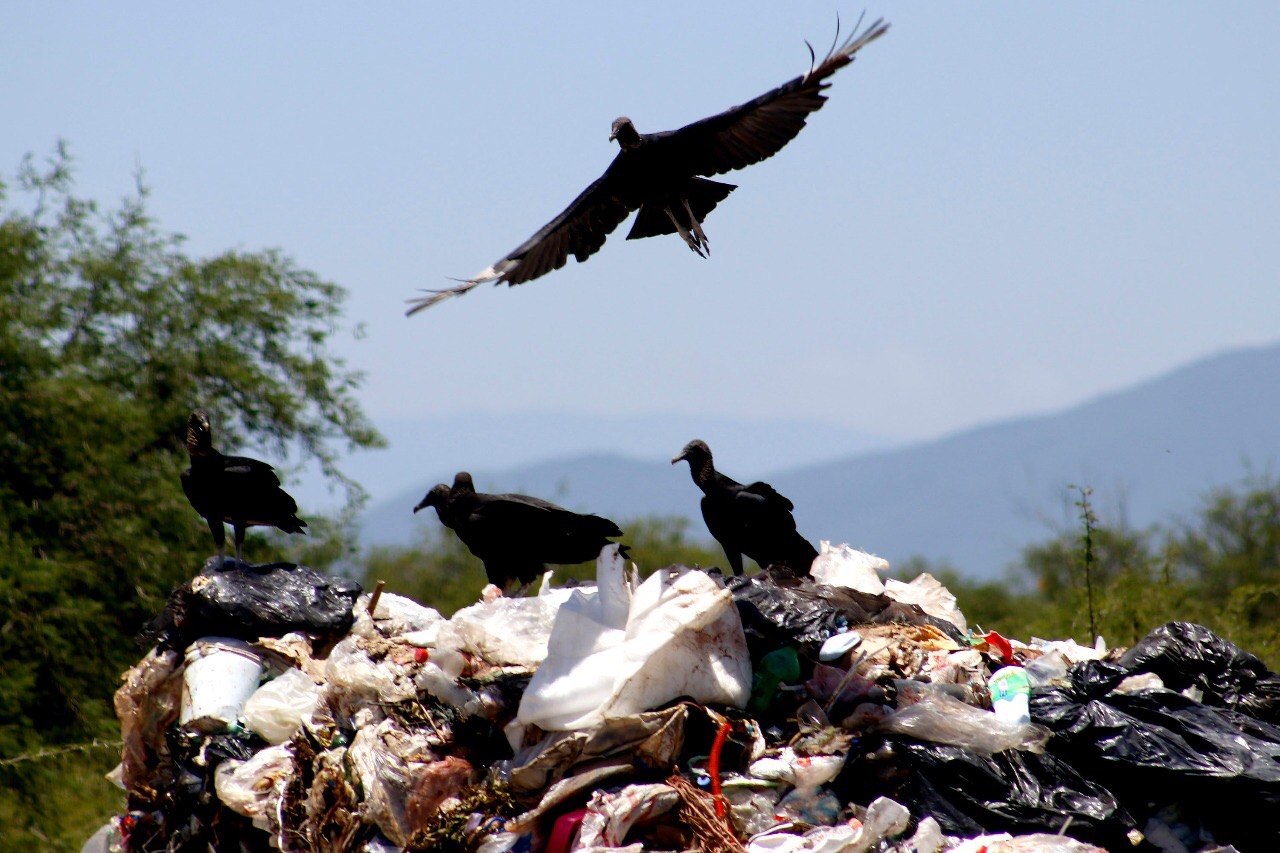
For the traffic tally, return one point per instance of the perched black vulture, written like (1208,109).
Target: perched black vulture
(516,535)
(754,520)
(657,174)
(234,490)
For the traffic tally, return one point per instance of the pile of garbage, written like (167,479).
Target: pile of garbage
(285,710)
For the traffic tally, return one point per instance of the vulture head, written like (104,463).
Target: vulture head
(199,434)
(625,132)
(698,455)
(463,484)
(696,452)
(437,497)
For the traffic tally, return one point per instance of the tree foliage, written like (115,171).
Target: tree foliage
(109,335)
(1220,568)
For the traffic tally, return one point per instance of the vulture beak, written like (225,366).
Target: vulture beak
(678,458)
(612,136)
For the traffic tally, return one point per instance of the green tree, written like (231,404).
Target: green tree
(1221,569)
(1231,555)
(109,335)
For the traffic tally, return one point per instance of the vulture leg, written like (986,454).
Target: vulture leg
(697,229)
(219,537)
(684,232)
(238,529)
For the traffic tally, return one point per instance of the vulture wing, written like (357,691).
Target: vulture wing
(579,230)
(249,473)
(763,496)
(758,129)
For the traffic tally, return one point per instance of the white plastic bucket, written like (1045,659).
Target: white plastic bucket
(221,674)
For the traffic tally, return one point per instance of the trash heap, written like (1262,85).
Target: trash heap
(285,710)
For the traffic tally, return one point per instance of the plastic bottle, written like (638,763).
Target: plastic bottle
(779,666)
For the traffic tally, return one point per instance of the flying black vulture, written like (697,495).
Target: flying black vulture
(234,490)
(657,173)
(516,535)
(754,520)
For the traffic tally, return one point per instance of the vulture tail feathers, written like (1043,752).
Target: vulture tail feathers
(492,273)
(702,197)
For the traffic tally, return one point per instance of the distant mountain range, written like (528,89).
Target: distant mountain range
(973,499)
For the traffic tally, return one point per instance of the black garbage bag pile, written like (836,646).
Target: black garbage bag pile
(281,709)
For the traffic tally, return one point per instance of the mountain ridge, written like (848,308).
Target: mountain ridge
(974,498)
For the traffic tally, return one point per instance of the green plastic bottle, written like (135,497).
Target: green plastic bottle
(780,666)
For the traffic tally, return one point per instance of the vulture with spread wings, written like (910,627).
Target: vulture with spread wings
(658,174)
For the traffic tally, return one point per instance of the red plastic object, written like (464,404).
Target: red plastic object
(1001,645)
(564,829)
(421,655)
(713,767)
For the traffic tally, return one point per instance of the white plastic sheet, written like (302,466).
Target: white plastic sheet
(625,647)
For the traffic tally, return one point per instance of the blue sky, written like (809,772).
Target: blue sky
(1003,209)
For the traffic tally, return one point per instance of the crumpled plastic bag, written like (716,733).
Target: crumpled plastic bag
(803,771)
(403,781)
(146,705)
(277,709)
(353,678)
(778,609)
(396,615)
(1186,655)
(247,602)
(611,815)
(253,788)
(625,648)
(510,631)
(937,717)
(1011,791)
(885,818)
(846,566)
(1157,746)
(651,739)
(927,592)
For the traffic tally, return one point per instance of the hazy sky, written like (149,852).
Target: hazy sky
(1004,208)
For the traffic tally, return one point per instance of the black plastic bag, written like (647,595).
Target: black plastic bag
(1184,654)
(248,602)
(1161,735)
(970,794)
(1157,747)
(778,609)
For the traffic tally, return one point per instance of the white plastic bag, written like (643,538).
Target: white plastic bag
(621,649)
(844,565)
(511,631)
(253,788)
(278,708)
(928,593)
